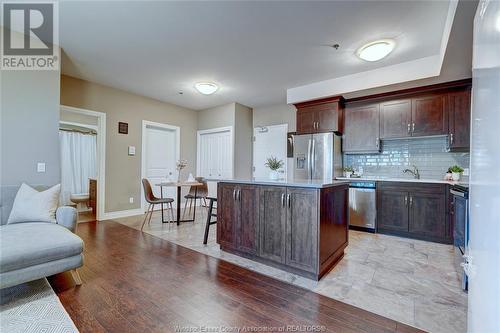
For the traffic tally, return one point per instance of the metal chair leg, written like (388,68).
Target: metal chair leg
(145,217)
(207,225)
(172,215)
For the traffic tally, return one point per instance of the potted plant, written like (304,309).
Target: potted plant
(456,171)
(348,171)
(274,164)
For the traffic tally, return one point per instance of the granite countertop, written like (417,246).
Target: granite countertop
(290,183)
(410,180)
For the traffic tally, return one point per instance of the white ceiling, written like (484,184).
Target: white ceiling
(253,50)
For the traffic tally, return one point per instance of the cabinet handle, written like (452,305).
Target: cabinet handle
(413,127)
(451,138)
(406,200)
(288,200)
(234,194)
(377,142)
(411,201)
(408,127)
(283,199)
(239,195)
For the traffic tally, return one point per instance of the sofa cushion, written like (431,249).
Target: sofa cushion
(27,244)
(31,205)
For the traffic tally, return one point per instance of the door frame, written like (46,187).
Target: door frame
(145,124)
(199,133)
(101,155)
(285,126)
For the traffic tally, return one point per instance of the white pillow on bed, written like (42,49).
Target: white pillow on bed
(33,206)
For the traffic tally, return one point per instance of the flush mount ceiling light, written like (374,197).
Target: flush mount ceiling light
(376,50)
(206,88)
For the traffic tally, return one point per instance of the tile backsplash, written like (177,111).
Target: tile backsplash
(430,155)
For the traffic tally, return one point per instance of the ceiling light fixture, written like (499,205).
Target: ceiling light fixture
(206,88)
(376,50)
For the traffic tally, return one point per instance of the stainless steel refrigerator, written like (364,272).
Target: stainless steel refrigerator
(317,156)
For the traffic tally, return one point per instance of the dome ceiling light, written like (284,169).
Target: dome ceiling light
(376,50)
(206,88)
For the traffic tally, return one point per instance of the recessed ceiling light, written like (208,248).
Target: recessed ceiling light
(206,88)
(376,50)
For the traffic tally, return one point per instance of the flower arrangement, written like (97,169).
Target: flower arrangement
(179,165)
(348,171)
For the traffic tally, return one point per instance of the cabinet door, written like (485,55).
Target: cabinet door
(361,131)
(395,118)
(305,121)
(459,119)
(428,214)
(302,229)
(429,115)
(392,209)
(327,117)
(227,213)
(247,221)
(272,223)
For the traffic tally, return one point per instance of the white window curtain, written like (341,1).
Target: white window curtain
(78,163)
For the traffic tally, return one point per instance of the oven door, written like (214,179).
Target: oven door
(460,232)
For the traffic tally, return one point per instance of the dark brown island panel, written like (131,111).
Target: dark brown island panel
(300,228)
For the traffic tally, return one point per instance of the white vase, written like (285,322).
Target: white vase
(274,175)
(347,174)
(455,176)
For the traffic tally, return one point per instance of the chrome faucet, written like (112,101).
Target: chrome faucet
(414,172)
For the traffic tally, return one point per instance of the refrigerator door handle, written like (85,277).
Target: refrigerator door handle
(309,154)
(313,157)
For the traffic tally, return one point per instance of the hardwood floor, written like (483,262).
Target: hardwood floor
(134,282)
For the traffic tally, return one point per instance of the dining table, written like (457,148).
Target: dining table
(179,186)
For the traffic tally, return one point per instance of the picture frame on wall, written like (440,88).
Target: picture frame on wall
(122,128)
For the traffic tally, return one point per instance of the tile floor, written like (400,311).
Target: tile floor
(407,280)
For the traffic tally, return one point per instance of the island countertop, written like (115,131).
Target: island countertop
(288,183)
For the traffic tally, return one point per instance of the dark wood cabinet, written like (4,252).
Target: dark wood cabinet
(427,214)
(247,221)
(395,119)
(392,209)
(429,115)
(326,115)
(272,223)
(301,231)
(459,104)
(284,226)
(413,210)
(238,218)
(361,129)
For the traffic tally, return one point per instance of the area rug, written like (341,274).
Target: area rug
(33,307)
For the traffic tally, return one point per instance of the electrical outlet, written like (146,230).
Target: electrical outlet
(131,200)
(466,172)
(40,167)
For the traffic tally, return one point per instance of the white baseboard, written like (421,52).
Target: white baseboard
(121,213)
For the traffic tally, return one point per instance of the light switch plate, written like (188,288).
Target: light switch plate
(40,167)
(131,200)
(131,151)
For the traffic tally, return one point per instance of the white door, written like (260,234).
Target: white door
(160,156)
(269,141)
(484,243)
(215,156)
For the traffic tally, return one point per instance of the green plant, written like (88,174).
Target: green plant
(274,164)
(456,169)
(348,169)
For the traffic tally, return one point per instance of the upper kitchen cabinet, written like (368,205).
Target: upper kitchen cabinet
(395,119)
(459,103)
(361,129)
(429,115)
(324,115)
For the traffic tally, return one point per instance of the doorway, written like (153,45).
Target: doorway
(215,156)
(269,141)
(160,152)
(82,136)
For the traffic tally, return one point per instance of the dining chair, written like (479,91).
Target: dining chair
(196,192)
(153,200)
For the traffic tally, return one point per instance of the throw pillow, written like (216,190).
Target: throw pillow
(33,206)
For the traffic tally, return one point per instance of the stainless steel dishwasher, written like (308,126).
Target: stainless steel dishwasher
(362,206)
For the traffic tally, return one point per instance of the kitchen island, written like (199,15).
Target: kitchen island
(298,226)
